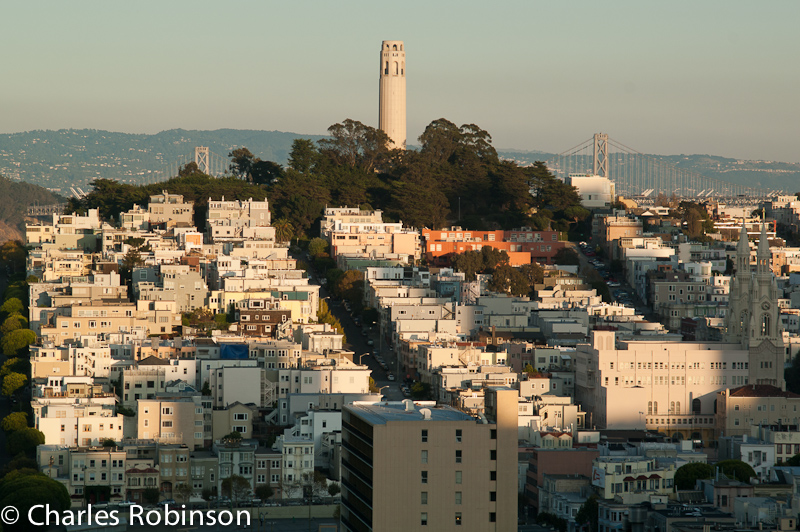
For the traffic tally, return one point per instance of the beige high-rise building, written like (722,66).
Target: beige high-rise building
(392,106)
(424,466)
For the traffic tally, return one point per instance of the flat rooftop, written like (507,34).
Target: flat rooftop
(382,413)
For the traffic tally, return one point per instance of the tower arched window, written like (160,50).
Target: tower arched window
(401,47)
(396,68)
(765,325)
(386,68)
(394,47)
(403,68)
(649,408)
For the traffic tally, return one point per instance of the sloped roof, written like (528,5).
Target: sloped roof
(761,390)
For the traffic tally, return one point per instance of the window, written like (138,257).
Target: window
(458,518)
(458,457)
(492,475)
(424,457)
(493,455)
(458,435)
(493,496)
(423,518)
(458,497)
(492,517)
(423,497)
(424,436)
(458,477)
(424,477)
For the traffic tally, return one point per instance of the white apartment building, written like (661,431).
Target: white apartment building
(170,208)
(69,360)
(76,425)
(297,464)
(313,427)
(631,479)
(243,384)
(239,220)
(331,379)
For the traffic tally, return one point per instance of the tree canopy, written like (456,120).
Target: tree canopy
(25,488)
(736,469)
(16,341)
(24,441)
(15,421)
(688,474)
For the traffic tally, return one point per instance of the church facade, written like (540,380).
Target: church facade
(671,387)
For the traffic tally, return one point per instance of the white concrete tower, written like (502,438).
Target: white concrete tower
(392,105)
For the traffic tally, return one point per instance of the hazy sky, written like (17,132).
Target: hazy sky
(718,77)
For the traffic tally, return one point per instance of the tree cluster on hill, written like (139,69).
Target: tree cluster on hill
(112,197)
(455,176)
(695,220)
(517,281)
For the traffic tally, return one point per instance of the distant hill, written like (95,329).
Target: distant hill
(14,201)
(75,157)
(72,157)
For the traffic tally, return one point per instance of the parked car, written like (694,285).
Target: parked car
(166,502)
(370,342)
(125,504)
(390,376)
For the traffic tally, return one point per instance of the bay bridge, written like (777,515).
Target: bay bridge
(206,160)
(644,177)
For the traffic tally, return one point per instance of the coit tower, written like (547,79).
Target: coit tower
(392,105)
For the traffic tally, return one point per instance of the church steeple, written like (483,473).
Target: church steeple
(767,351)
(743,252)
(763,255)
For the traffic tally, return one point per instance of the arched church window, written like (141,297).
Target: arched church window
(677,407)
(765,324)
(696,406)
(649,408)
(655,407)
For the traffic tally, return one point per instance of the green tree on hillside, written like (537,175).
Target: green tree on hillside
(303,156)
(242,161)
(15,421)
(12,305)
(688,474)
(12,383)
(24,489)
(16,342)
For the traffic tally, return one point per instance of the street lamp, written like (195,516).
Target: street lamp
(361,355)
(382,387)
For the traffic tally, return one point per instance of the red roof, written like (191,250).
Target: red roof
(761,390)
